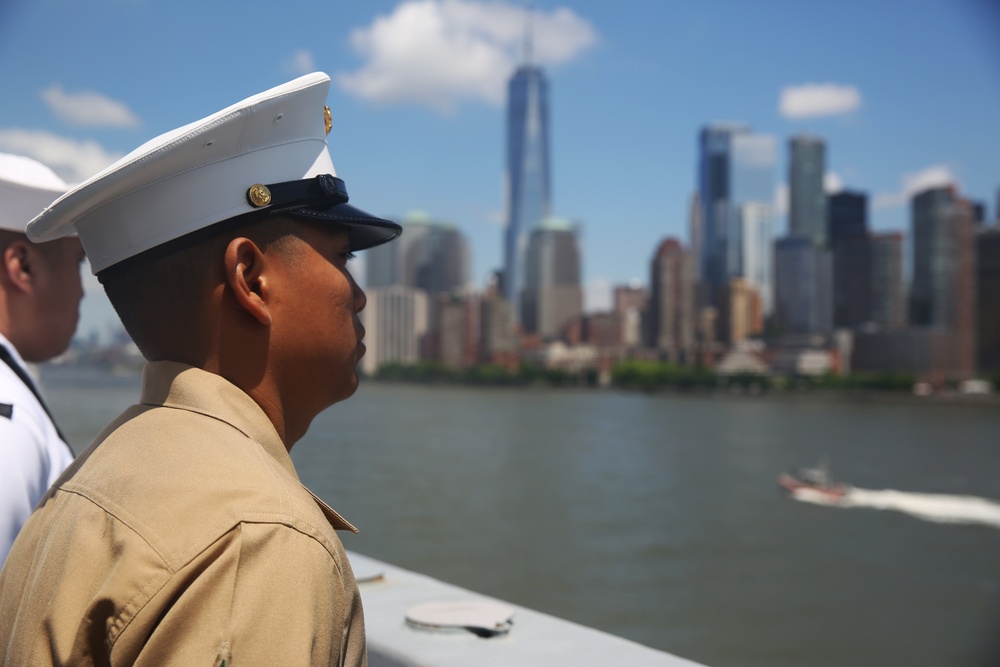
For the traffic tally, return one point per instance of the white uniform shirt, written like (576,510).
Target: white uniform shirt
(32,455)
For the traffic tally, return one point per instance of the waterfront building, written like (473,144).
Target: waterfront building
(887,294)
(458,330)
(735,191)
(807,205)
(744,358)
(852,250)
(927,353)
(497,341)
(602,330)
(527,194)
(395,321)
(988,299)
(630,304)
(553,294)
(802,360)
(706,336)
(942,294)
(802,286)
(740,314)
(671,308)
(852,288)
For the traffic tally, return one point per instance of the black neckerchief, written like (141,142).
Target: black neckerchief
(8,359)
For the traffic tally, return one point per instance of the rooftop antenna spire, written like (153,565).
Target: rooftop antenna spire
(528,36)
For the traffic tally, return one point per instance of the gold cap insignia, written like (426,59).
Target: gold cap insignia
(327,119)
(259,195)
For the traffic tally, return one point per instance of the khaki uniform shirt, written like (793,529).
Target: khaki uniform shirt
(182,536)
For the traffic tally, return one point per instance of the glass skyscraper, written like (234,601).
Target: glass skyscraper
(943,291)
(941,294)
(736,191)
(527,183)
(807,204)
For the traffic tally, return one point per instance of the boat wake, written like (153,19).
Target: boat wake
(939,508)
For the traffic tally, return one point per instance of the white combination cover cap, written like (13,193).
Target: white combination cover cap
(213,170)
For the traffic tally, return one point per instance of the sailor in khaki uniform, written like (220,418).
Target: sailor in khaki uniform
(40,292)
(183,536)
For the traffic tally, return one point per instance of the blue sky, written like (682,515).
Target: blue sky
(905,94)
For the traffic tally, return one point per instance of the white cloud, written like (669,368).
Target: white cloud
(301,62)
(832,182)
(73,160)
(440,53)
(818,99)
(597,295)
(88,108)
(910,184)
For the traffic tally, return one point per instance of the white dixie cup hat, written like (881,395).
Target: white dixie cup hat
(26,187)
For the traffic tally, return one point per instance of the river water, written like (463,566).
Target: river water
(658,517)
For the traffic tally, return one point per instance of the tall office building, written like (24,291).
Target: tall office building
(497,342)
(807,206)
(432,255)
(802,286)
(630,304)
(739,316)
(458,329)
(695,232)
(395,320)
(382,266)
(978,208)
(887,295)
(553,294)
(847,214)
(736,191)
(847,234)
(527,185)
(942,294)
(988,299)
(671,309)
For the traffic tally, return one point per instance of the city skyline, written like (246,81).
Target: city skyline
(421,126)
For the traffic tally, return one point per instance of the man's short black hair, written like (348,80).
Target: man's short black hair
(157,291)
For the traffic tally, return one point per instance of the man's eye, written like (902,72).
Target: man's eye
(348,256)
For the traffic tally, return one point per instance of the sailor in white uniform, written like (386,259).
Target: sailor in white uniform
(40,293)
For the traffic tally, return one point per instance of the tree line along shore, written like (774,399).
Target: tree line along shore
(652,376)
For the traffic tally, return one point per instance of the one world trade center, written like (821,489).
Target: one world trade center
(528,198)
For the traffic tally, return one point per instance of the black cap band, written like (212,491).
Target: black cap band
(324,191)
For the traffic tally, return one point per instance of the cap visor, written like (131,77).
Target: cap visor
(364,229)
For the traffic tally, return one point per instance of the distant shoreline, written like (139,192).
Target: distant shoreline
(845,395)
(797,396)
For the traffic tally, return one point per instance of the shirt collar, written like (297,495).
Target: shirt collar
(15,354)
(178,385)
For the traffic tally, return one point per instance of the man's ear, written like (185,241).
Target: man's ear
(19,266)
(246,278)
